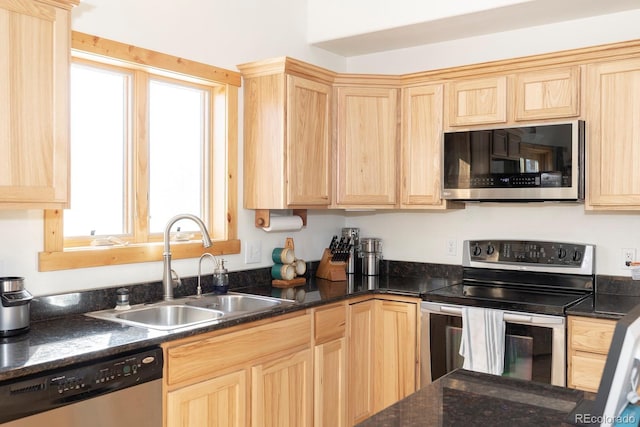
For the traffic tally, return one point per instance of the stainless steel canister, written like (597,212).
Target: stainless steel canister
(371,254)
(14,306)
(354,235)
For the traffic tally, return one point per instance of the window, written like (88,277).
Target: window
(152,136)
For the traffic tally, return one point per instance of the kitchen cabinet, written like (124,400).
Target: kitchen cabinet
(34,103)
(478,101)
(383,359)
(366,147)
(614,135)
(589,340)
(421,148)
(287,137)
(330,366)
(261,372)
(547,94)
(219,401)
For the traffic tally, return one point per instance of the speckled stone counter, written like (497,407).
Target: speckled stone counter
(465,398)
(614,297)
(61,335)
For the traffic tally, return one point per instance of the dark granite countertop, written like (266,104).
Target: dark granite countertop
(465,398)
(61,341)
(614,297)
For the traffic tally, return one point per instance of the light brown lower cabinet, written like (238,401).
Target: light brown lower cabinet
(260,375)
(332,365)
(588,344)
(219,401)
(383,357)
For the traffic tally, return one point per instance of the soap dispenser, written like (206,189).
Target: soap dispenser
(220,279)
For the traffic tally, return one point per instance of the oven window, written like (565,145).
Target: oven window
(527,349)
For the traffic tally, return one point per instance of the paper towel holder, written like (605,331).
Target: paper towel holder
(263,218)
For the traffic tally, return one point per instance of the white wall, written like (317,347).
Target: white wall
(573,34)
(229,33)
(216,32)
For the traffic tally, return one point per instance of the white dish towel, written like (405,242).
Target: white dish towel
(483,335)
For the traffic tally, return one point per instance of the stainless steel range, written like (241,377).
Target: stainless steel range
(532,283)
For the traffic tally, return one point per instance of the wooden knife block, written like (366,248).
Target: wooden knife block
(330,270)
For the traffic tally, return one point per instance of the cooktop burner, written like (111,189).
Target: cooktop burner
(528,276)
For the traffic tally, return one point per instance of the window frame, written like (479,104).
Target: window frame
(63,254)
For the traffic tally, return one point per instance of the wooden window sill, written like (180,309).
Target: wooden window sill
(99,256)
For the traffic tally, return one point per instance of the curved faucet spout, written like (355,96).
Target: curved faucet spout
(167,280)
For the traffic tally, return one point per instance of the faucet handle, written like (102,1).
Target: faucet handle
(175,279)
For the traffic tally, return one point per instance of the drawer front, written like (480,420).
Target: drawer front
(330,323)
(201,359)
(592,335)
(586,371)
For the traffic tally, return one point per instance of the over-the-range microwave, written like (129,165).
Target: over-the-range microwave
(533,162)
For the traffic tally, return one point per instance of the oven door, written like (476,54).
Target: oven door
(534,344)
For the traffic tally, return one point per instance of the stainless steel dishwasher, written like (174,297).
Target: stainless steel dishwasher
(123,390)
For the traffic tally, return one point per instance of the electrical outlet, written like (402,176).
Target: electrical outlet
(253,252)
(452,247)
(628,256)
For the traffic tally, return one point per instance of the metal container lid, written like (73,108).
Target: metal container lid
(371,244)
(11,284)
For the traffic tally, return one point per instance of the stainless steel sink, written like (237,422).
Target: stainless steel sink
(237,304)
(163,317)
(192,311)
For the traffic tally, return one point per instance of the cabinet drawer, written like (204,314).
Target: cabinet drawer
(586,370)
(199,359)
(330,323)
(592,335)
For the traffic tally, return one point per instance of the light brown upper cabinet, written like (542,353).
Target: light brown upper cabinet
(613,131)
(547,94)
(287,138)
(421,147)
(478,101)
(34,103)
(366,147)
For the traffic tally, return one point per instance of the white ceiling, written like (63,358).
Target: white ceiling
(522,15)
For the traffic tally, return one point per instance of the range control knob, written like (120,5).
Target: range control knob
(562,252)
(577,256)
(477,250)
(490,249)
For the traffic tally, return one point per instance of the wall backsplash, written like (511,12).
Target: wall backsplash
(52,306)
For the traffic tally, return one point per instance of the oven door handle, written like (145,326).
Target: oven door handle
(508,317)
(523,319)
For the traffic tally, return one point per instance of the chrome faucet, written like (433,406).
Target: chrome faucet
(167,279)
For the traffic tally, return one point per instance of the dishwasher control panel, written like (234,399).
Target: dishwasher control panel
(52,389)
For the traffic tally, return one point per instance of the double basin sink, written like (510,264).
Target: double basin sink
(192,311)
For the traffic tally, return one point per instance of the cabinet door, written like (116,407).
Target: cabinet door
(421,143)
(481,101)
(330,403)
(216,402)
(614,134)
(308,142)
(367,144)
(281,391)
(34,104)
(396,361)
(548,94)
(588,345)
(360,387)
(585,371)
